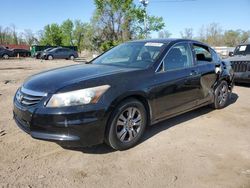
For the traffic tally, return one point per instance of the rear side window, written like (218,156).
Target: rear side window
(178,57)
(202,54)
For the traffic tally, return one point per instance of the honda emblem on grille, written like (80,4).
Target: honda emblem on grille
(19,97)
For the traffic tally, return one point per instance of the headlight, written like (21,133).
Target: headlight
(78,97)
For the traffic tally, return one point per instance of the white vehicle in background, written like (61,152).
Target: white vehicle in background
(223,51)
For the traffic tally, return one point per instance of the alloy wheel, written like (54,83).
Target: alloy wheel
(223,94)
(128,124)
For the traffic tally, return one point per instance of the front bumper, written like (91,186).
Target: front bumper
(242,77)
(69,127)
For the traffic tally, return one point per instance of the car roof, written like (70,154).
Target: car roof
(243,44)
(168,40)
(61,48)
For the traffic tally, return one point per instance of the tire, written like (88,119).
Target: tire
(6,56)
(124,130)
(71,57)
(221,95)
(50,57)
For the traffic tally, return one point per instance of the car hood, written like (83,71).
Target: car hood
(239,58)
(55,79)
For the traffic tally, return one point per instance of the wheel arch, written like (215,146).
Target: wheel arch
(224,78)
(5,54)
(138,96)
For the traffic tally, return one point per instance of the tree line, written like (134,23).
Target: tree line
(214,35)
(114,22)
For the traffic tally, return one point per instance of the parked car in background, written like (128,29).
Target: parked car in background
(39,48)
(21,53)
(59,53)
(116,95)
(240,61)
(6,53)
(39,54)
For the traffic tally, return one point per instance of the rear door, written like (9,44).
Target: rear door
(177,82)
(61,53)
(205,61)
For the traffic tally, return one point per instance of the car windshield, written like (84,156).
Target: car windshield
(48,49)
(242,50)
(132,54)
(54,49)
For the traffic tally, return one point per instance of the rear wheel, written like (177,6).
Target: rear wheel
(6,56)
(71,57)
(126,125)
(221,95)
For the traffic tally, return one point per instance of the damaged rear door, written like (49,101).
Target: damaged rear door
(206,65)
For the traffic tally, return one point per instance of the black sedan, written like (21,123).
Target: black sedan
(21,52)
(6,53)
(114,97)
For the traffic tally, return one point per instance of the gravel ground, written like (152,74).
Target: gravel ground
(204,148)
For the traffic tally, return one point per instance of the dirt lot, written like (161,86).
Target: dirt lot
(203,148)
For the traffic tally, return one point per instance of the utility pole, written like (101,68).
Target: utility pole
(145,3)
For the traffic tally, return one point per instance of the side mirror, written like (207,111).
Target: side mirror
(231,54)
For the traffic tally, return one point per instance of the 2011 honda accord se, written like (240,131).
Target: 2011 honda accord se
(115,96)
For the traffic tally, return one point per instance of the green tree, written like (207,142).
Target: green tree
(52,35)
(116,21)
(67,29)
(83,35)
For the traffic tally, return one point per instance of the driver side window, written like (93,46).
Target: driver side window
(178,57)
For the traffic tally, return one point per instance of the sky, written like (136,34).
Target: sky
(177,14)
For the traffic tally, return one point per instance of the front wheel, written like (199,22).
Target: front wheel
(127,125)
(6,56)
(221,95)
(50,57)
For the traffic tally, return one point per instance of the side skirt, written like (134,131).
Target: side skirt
(181,112)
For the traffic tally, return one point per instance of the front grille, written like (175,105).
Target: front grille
(240,66)
(28,97)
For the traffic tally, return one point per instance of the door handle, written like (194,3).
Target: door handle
(193,72)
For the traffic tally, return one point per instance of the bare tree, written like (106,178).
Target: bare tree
(214,34)
(187,33)
(29,36)
(14,34)
(164,34)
